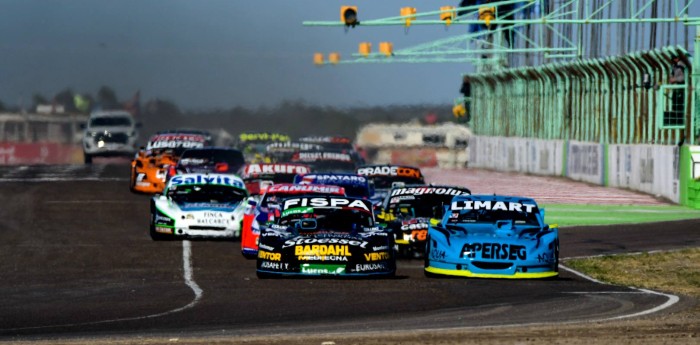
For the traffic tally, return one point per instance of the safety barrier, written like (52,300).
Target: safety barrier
(652,169)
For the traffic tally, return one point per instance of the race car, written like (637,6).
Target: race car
(325,236)
(284,151)
(355,185)
(259,176)
(268,209)
(150,165)
(326,161)
(199,205)
(409,211)
(386,176)
(254,144)
(492,236)
(221,160)
(336,144)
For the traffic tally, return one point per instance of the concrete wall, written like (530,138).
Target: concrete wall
(651,169)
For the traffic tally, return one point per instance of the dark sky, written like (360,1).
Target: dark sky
(204,54)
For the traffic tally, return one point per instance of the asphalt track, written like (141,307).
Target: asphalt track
(76,261)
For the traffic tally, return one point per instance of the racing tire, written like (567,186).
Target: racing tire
(87,158)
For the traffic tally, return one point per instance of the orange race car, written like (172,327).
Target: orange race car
(149,166)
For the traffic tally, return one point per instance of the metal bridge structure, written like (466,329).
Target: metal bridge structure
(594,79)
(587,70)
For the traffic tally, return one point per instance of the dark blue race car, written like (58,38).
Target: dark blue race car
(325,236)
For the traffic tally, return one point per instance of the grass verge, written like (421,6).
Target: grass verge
(575,215)
(676,271)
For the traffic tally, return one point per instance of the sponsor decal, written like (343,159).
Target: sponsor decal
(380,248)
(491,205)
(415,226)
(212,221)
(371,267)
(297,210)
(546,258)
(427,190)
(437,254)
(162,219)
(322,269)
(495,251)
(253,169)
(337,140)
(321,258)
(416,235)
(390,171)
(380,256)
(274,265)
(303,241)
(327,202)
(323,250)
(333,179)
(398,199)
(265,247)
(305,188)
(263,137)
(176,141)
(163,230)
(265,255)
(207,179)
(315,156)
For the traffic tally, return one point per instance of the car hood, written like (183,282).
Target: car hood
(207,206)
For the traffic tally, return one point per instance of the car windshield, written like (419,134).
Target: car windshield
(110,121)
(385,182)
(491,216)
(206,193)
(359,191)
(328,219)
(332,166)
(420,207)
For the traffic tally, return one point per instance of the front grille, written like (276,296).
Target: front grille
(492,265)
(116,138)
(204,227)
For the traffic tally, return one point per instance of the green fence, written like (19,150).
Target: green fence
(618,100)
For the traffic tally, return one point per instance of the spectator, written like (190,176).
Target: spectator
(678,78)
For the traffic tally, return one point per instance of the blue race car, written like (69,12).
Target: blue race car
(492,236)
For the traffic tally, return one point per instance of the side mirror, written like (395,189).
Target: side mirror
(83,126)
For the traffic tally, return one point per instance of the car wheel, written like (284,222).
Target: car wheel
(87,158)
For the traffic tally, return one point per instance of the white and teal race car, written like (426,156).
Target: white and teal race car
(199,206)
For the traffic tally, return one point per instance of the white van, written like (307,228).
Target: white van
(110,133)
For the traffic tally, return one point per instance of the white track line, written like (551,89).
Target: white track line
(189,281)
(672,299)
